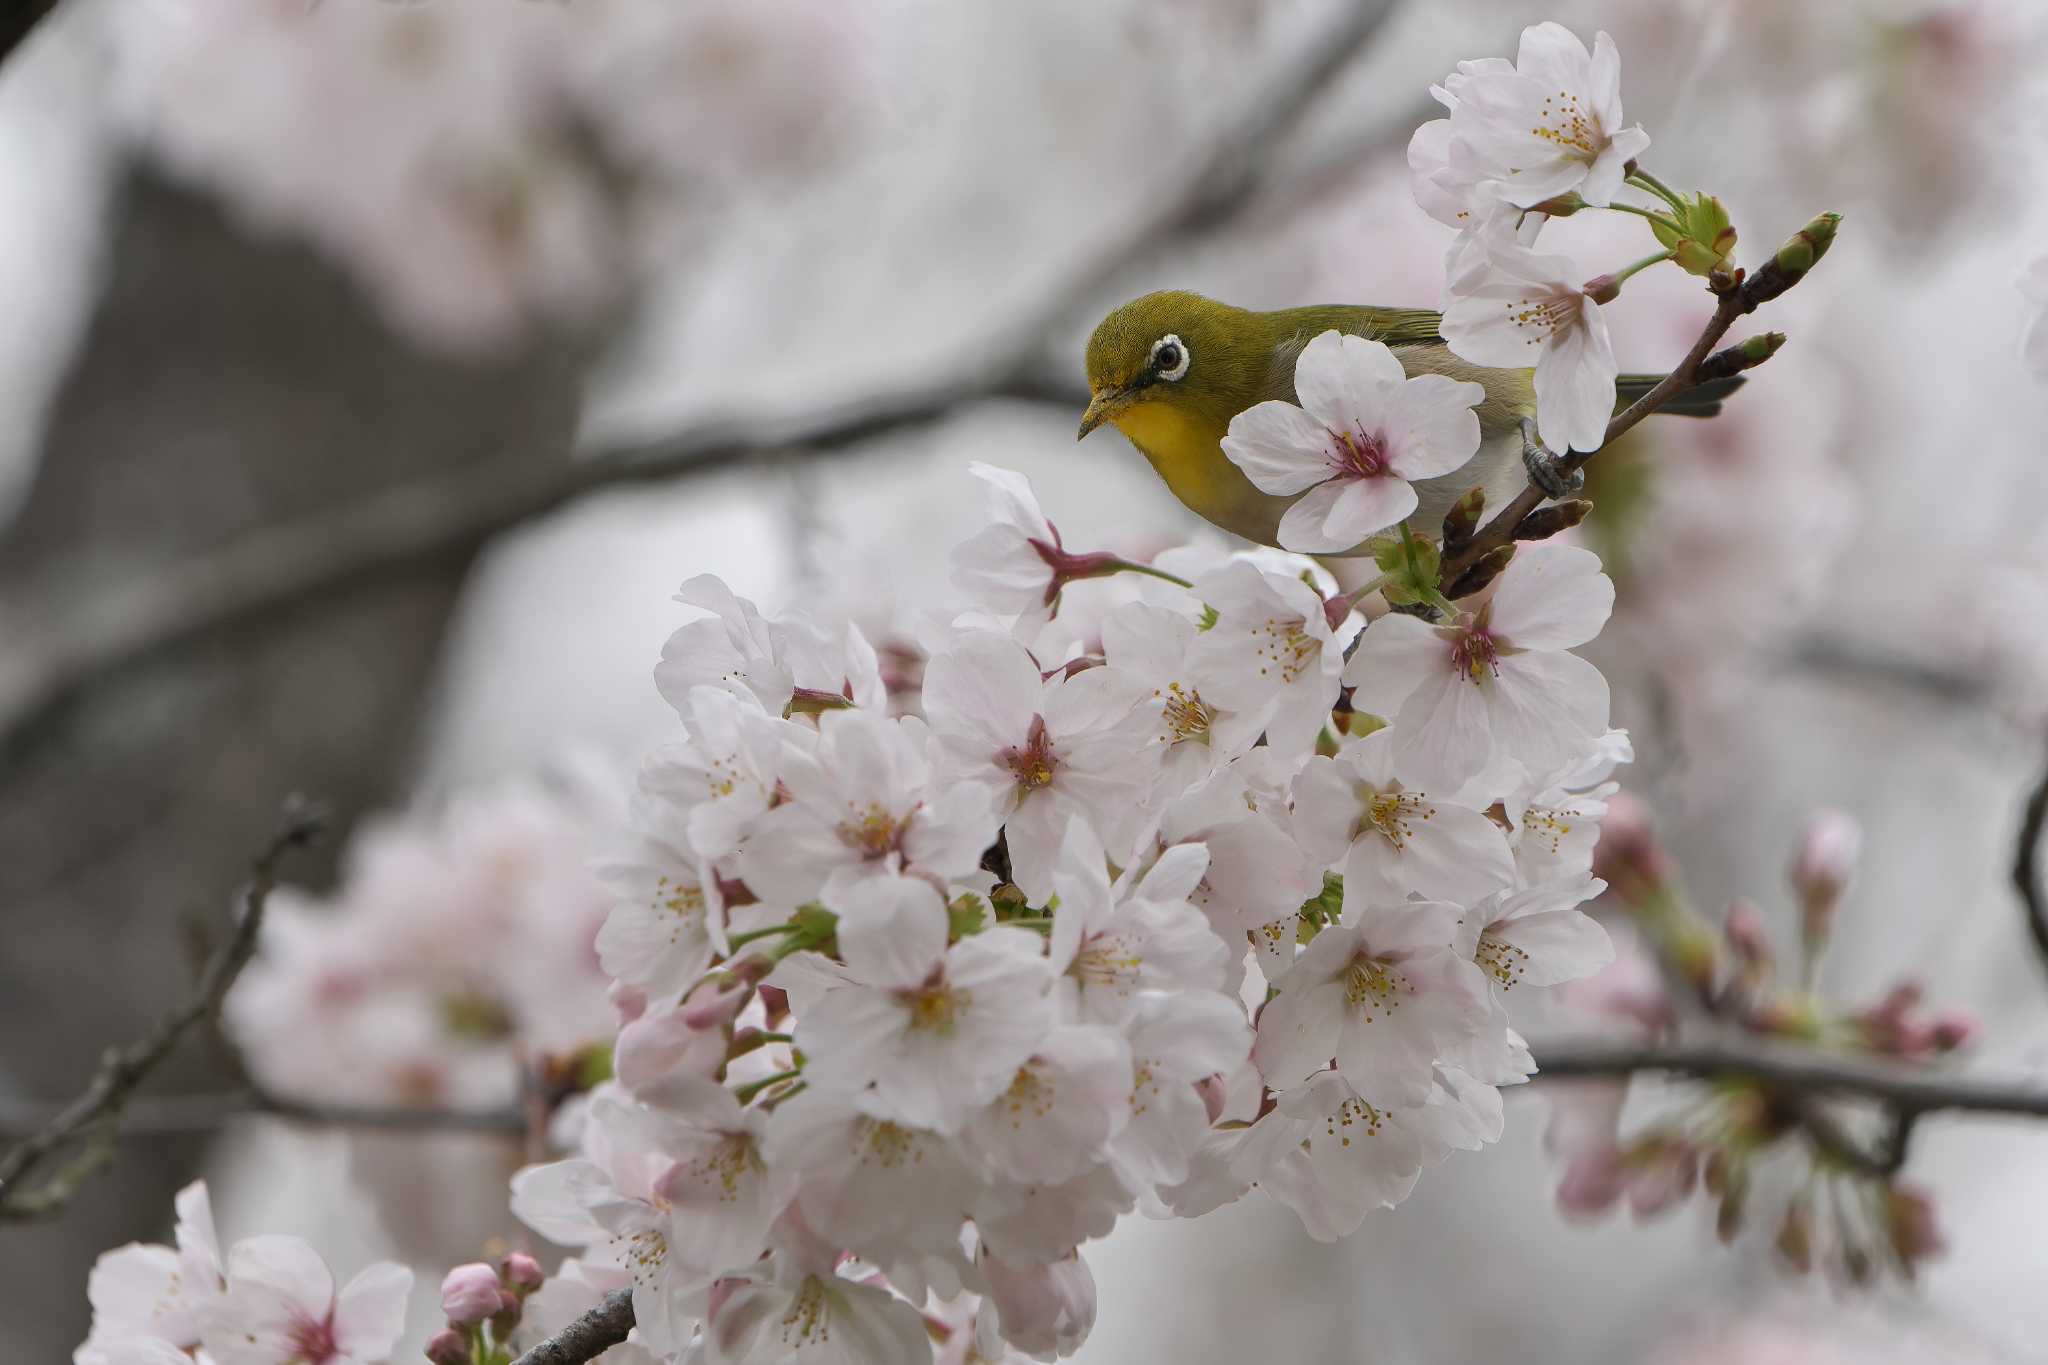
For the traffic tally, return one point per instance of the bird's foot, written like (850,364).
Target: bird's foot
(1543,466)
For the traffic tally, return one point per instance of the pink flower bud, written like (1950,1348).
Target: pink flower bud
(714,1008)
(1953,1029)
(1745,932)
(470,1293)
(1042,1309)
(448,1347)
(656,1047)
(522,1272)
(1591,1184)
(1662,1172)
(628,1002)
(1628,856)
(1823,869)
(1915,1233)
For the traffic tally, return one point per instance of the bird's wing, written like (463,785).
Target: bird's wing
(1294,327)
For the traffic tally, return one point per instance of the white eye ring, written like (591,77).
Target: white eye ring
(1186,356)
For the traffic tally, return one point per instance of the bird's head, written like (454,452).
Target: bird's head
(1192,354)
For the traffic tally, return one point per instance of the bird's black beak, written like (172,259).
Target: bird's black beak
(1101,407)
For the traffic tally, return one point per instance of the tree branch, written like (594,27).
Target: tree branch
(176,1115)
(57,655)
(95,1114)
(2026,868)
(18,19)
(596,1332)
(1905,1090)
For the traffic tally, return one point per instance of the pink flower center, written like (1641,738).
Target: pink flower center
(1474,654)
(1357,455)
(1033,761)
(313,1342)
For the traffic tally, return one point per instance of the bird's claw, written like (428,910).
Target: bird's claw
(1543,466)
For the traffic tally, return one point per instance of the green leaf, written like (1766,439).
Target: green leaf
(966,916)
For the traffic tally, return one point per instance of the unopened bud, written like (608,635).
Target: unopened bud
(1602,288)
(1545,522)
(470,1293)
(522,1272)
(1730,361)
(448,1347)
(1799,255)
(1911,1225)
(1953,1029)
(1744,929)
(1795,1236)
(1823,870)
(1461,523)
(1560,206)
(1481,573)
(1628,857)
(506,1320)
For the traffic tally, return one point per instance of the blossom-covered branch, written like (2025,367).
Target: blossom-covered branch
(93,1116)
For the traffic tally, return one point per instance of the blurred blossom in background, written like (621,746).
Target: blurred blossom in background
(288,283)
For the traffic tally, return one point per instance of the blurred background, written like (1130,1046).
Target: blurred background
(371,374)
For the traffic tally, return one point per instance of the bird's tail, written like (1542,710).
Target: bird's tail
(1701,400)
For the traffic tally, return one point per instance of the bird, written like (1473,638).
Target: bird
(1170,369)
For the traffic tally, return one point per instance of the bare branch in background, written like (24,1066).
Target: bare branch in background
(18,19)
(596,1332)
(94,1115)
(84,636)
(2026,864)
(178,1115)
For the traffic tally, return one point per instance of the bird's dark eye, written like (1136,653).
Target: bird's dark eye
(1169,357)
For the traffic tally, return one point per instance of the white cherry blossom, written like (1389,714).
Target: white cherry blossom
(1363,431)
(1393,840)
(1518,309)
(1043,753)
(1045,1311)
(1538,936)
(281,1308)
(1193,737)
(1067,1100)
(149,1301)
(1497,683)
(1549,124)
(1270,652)
(1384,996)
(939,1032)
(1110,943)
(861,803)
(724,775)
(1176,1040)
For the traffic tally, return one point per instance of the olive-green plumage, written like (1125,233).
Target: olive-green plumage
(1231,358)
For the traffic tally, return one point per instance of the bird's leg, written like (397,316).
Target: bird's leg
(1542,466)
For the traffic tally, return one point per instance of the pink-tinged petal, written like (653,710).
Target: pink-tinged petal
(1609,170)
(288,1268)
(1297,1033)
(1549,708)
(985,687)
(892,930)
(369,1316)
(1603,82)
(1345,382)
(1552,597)
(1430,427)
(1563,945)
(1456,855)
(1279,447)
(1479,322)
(1343,512)
(1444,733)
(1555,56)
(1010,499)
(1398,655)
(1575,384)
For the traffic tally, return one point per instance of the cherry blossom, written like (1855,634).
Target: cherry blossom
(1549,124)
(281,1308)
(1384,996)
(1538,936)
(1269,652)
(1109,943)
(1153,645)
(149,1301)
(1393,840)
(1043,753)
(1363,431)
(1519,309)
(1497,684)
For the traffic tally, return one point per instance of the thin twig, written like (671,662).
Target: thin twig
(58,654)
(2026,864)
(1903,1089)
(153,1116)
(18,19)
(596,1332)
(95,1113)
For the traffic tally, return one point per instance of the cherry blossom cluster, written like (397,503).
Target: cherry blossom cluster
(455,937)
(1851,1216)
(485,168)
(270,1300)
(925,989)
